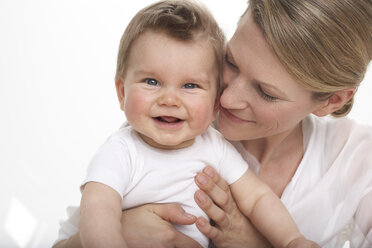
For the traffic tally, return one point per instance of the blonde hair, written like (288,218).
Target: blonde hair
(180,19)
(325,44)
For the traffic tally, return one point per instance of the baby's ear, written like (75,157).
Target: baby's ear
(335,102)
(119,84)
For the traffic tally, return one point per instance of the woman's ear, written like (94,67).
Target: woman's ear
(119,84)
(335,102)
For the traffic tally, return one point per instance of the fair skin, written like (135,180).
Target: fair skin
(264,111)
(169,91)
(268,130)
(279,151)
(155,221)
(168,95)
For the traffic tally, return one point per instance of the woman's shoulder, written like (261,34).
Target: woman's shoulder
(343,128)
(337,137)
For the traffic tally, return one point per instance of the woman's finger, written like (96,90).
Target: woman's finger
(176,214)
(221,197)
(207,229)
(214,212)
(232,228)
(217,179)
(173,213)
(149,226)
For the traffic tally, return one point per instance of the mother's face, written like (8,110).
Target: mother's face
(261,98)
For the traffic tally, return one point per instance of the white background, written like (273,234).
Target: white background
(58,103)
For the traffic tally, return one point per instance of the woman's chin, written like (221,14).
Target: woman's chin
(228,133)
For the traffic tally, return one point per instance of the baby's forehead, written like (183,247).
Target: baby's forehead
(196,37)
(161,44)
(161,56)
(142,41)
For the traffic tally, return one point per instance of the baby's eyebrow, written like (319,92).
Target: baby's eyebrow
(203,78)
(141,72)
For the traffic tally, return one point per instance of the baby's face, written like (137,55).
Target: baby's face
(170,89)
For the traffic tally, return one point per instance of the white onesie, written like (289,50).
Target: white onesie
(143,174)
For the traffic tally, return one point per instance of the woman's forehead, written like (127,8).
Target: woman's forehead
(256,59)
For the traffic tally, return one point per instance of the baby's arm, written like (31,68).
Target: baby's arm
(100,215)
(265,210)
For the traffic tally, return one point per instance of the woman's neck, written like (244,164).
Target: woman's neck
(279,157)
(276,148)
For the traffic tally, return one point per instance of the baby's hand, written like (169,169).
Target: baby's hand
(302,243)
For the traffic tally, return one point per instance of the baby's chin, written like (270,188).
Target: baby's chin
(175,145)
(170,144)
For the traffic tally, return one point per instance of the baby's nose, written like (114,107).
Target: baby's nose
(169,98)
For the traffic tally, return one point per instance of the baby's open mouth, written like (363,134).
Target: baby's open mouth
(168,119)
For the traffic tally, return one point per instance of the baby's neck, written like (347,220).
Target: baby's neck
(155,144)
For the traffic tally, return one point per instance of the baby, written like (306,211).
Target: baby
(167,82)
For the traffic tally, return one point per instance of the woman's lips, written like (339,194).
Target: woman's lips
(232,117)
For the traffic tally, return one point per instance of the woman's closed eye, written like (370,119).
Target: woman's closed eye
(230,63)
(265,95)
(151,81)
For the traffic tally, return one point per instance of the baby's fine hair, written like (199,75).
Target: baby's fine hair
(184,20)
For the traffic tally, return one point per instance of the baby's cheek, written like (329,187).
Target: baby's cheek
(134,107)
(203,114)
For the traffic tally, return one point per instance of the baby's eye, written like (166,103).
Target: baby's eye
(190,86)
(151,81)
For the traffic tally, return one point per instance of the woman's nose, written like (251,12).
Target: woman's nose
(169,98)
(234,95)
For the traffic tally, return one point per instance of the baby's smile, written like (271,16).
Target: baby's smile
(168,119)
(168,122)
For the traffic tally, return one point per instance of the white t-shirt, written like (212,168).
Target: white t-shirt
(330,195)
(142,174)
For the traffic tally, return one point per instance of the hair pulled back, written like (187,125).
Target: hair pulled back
(325,44)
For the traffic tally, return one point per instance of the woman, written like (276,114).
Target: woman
(289,64)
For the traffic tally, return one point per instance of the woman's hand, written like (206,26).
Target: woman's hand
(232,228)
(149,226)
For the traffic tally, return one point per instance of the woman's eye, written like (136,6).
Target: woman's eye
(190,86)
(151,81)
(229,63)
(266,96)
